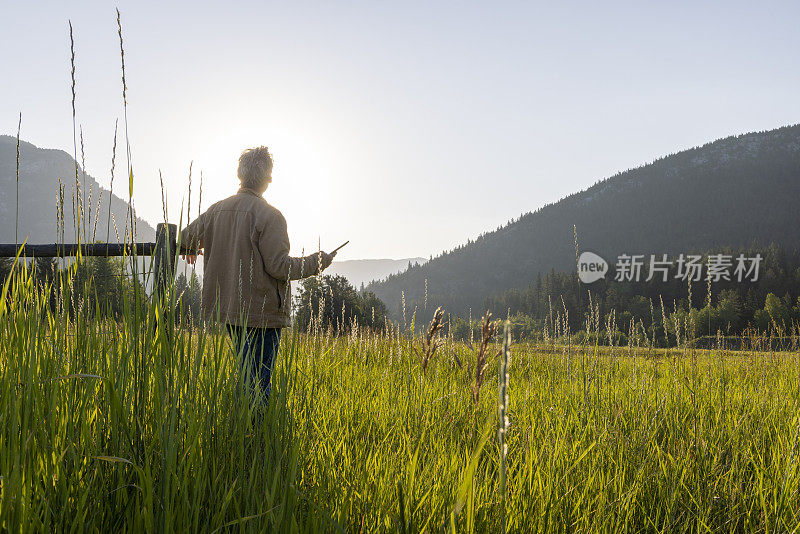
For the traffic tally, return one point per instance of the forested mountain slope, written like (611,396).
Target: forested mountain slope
(732,192)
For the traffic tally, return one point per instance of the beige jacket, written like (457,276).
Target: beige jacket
(246,262)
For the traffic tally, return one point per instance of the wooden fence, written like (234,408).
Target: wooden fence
(163,250)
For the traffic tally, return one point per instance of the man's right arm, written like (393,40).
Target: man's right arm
(192,235)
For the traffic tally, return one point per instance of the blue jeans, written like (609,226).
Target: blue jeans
(258,348)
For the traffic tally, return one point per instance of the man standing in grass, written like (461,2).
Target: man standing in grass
(247,268)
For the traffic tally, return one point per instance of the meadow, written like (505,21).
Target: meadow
(142,424)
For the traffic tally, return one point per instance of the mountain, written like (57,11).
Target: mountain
(39,173)
(733,192)
(365,271)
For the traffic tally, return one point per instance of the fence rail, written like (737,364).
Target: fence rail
(71,249)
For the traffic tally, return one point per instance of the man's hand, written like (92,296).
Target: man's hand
(326,260)
(191,258)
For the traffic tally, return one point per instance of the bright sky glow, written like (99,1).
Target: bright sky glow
(405,127)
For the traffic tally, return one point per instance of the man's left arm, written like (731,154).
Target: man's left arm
(274,247)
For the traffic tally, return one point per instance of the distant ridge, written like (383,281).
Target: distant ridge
(40,170)
(736,191)
(365,271)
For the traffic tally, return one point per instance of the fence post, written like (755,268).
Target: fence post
(166,246)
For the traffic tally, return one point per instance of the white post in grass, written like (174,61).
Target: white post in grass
(502,424)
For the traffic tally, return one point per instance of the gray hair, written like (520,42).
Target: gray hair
(255,164)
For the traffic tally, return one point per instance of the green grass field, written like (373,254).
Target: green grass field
(135,425)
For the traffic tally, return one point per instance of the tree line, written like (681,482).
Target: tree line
(331,301)
(558,301)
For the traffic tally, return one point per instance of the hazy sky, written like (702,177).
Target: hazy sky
(405,127)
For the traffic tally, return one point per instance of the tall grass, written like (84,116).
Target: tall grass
(134,425)
(141,425)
